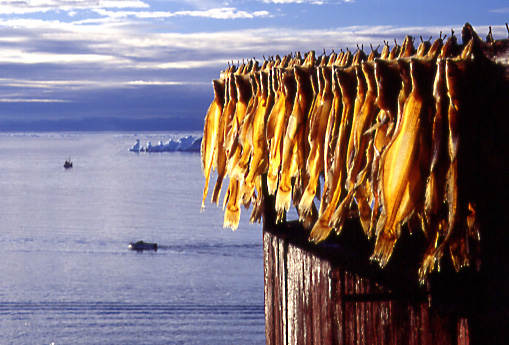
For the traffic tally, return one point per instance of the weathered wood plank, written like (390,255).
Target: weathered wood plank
(282,335)
(463,332)
(313,300)
(269,285)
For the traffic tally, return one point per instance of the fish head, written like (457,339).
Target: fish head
(362,84)
(439,85)
(218,90)
(274,79)
(422,72)
(388,82)
(289,83)
(347,59)
(347,80)
(407,48)
(368,69)
(395,51)
(332,59)
(374,54)
(232,89)
(321,80)
(264,81)
(456,77)
(254,85)
(450,48)
(358,57)
(435,49)
(423,48)
(327,77)
(243,86)
(385,51)
(404,71)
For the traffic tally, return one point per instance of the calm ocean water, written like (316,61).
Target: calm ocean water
(66,273)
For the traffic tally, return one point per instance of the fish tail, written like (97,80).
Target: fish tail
(384,247)
(306,202)
(256,214)
(321,230)
(364,210)
(205,192)
(310,219)
(339,216)
(231,218)
(232,212)
(283,198)
(247,192)
(271,183)
(217,191)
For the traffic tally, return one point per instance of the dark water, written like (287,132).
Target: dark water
(66,274)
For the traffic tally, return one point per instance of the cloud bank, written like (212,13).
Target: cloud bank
(150,58)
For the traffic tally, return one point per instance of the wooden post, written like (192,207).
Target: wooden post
(326,294)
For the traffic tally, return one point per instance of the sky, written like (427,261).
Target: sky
(83,64)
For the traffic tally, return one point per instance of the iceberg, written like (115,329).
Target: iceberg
(170,146)
(187,143)
(195,146)
(137,147)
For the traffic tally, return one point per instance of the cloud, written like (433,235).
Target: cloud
(214,13)
(163,83)
(116,10)
(224,13)
(62,63)
(500,10)
(310,2)
(27,100)
(42,6)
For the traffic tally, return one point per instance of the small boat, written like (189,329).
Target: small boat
(68,163)
(140,245)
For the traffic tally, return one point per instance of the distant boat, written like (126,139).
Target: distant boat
(68,163)
(140,246)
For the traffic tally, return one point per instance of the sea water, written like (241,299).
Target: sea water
(66,273)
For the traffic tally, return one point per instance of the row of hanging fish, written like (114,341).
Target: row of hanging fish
(402,136)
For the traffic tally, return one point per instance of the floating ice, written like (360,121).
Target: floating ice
(137,147)
(187,144)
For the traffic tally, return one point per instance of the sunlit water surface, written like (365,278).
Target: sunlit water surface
(66,273)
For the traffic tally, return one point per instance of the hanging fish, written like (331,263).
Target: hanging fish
(225,124)
(293,142)
(347,81)
(259,157)
(280,114)
(317,139)
(232,198)
(435,206)
(208,144)
(405,162)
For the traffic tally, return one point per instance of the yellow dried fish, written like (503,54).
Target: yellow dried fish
(336,187)
(259,156)
(280,113)
(358,149)
(388,85)
(225,123)
(293,142)
(246,133)
(331,132)
(405,162)
(209,134)
(316,140)
(232,199)
(435,207)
